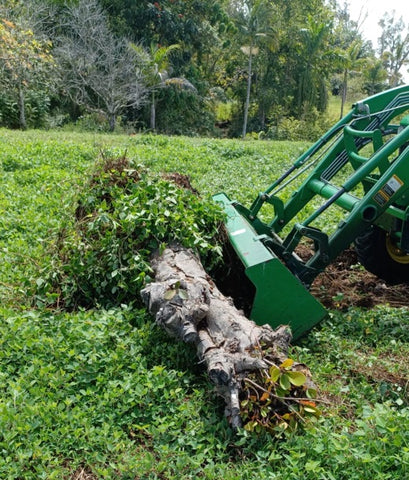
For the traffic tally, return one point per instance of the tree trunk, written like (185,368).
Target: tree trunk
(22,108)
(247,105)
(111,121)
(153,113)
(344,93)
(188,305)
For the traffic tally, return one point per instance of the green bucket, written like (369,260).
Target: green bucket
(280,298)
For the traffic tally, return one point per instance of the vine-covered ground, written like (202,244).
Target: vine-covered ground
(103,393)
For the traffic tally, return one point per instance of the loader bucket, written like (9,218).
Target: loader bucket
(280,298)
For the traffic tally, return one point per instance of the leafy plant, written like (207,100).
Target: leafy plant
(124,213)
(183,112)
(279,399)
(27,65)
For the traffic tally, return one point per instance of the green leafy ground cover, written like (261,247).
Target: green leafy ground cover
(104,394)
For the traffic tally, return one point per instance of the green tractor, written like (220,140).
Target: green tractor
(360,166)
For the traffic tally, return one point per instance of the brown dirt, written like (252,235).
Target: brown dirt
(83,473)
(180,180)
(345,283)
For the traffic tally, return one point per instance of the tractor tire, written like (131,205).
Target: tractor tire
(380,256)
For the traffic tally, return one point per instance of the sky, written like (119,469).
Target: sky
(375,10)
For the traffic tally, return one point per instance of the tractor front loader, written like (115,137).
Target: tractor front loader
(361,167)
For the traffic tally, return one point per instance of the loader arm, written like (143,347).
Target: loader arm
(360,166)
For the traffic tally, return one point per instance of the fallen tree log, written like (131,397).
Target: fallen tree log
(189,306)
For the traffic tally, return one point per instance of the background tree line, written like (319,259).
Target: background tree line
(184,66)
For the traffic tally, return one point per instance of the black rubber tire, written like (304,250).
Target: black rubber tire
(374,256)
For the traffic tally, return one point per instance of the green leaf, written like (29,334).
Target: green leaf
(285,381)
(275,373)
(311,393)
(250,426)
(297,378)
(183,294)
(282,392)
(310,409)
(312,466)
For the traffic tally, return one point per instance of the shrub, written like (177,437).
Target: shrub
(37,105)
(183,112)
(309,127)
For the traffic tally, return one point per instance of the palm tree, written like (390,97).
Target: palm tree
(155,68)
(352,61)
(316,57)
(252,20)
(375,76)
(394,46)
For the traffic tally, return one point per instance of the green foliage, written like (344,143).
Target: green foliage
(309,127)
(167,22)
(25,66)
(382,321)
(46,168)
(278,401)
(91,122)
(107,392)
(124,213)
(296,51)
(393,46)
(45,171)
(37,105)
(101,390)
(372,347)
(104,393)
(183,112)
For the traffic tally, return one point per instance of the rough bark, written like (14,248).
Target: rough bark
(189,306)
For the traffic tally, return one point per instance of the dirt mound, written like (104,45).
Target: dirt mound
(345,283)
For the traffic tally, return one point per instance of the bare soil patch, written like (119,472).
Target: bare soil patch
(345,283)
